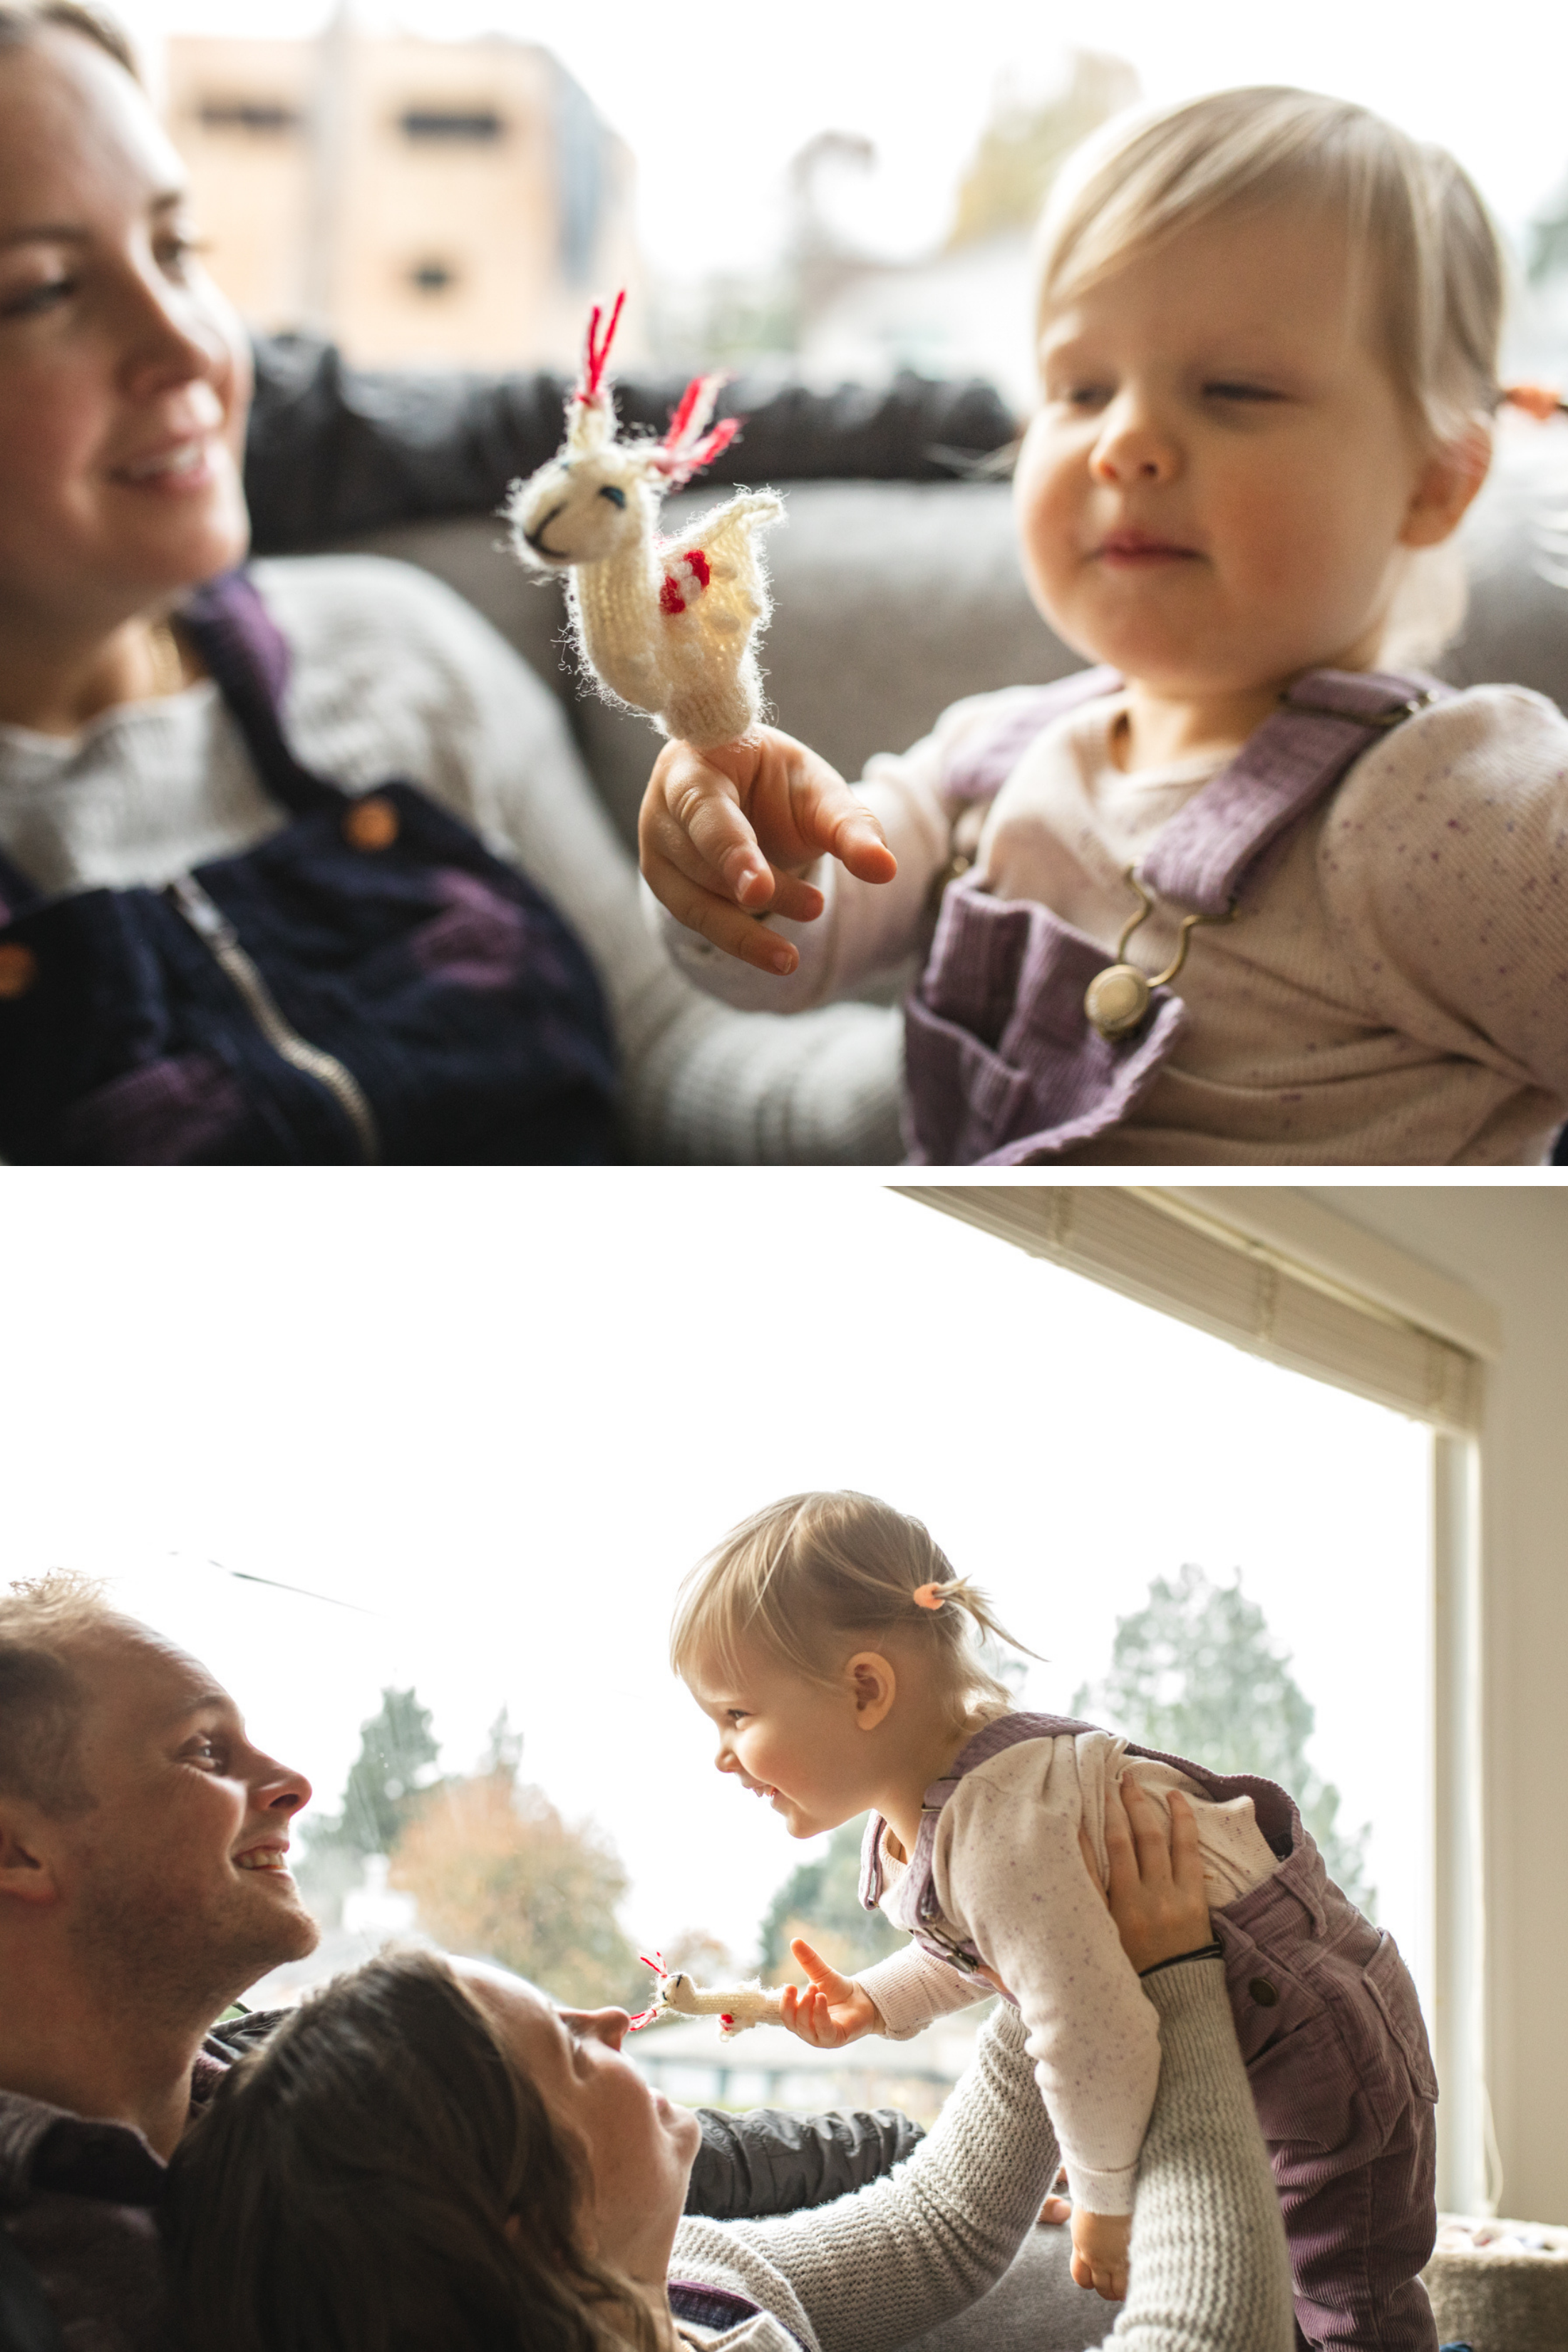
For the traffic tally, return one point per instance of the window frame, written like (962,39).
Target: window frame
(1286,1280)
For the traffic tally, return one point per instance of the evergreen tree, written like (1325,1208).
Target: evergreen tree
(390,1771)
(1195,1673)
(821,1901)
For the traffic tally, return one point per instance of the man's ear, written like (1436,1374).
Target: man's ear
(27,1855)
(1447,481)
(874,1685)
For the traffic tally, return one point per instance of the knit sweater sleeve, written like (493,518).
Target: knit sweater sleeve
(1209,2271)
(906,2251)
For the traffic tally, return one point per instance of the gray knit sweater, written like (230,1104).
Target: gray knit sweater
(1209,2271)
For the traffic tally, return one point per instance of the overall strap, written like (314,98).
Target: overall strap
(246,654)
(978,768)
(1274,1808)
(992,1738)
(1324,722)
(247,657)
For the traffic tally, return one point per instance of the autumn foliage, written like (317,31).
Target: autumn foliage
(499,1874)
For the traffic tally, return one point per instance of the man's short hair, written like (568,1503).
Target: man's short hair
(41,1696)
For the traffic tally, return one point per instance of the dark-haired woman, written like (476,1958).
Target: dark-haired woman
(297,864)
(423,2156)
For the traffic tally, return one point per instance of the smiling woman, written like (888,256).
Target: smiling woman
(123,390)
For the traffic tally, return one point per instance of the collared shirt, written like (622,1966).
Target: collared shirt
(80,2196)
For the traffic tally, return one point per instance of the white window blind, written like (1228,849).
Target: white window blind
(1167,1251)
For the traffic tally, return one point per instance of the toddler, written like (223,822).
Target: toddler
(1253,888)
(833,1648)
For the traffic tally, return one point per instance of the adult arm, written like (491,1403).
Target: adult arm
(1010,1877)
(1209,2271)
(770,2160)
(335,450)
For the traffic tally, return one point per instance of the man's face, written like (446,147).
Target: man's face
(176,1876)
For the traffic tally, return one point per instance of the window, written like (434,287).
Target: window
(267,118)
(452,126)
(434,276)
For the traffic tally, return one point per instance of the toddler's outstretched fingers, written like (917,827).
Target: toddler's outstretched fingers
(692,816)
(824,1978)
(858,844)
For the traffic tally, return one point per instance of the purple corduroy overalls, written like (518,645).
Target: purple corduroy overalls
(1335,2049)
(1004,1068)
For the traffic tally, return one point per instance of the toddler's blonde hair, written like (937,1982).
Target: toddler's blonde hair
(1421,243)
(797,1579)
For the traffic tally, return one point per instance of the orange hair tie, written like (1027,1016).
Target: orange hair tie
(1540,401)
(928,1596)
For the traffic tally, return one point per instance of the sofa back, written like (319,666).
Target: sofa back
(892,599)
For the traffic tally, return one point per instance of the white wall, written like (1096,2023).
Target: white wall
(1511,1244)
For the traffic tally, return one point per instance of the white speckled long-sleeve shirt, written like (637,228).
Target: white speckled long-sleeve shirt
(1393,992)
(1009,1876)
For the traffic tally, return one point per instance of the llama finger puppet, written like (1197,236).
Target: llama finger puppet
(736,2007)
(669,626)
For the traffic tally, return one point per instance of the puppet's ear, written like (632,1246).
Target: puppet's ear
(688,444)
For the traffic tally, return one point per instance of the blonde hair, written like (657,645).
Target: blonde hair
(1415,224)
(793,1579)
(41,1698)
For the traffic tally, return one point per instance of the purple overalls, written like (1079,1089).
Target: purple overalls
(1332,2034)
(1004,1068)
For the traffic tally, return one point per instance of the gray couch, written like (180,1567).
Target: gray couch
(894,598)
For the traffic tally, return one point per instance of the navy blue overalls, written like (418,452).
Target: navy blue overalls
(368,983)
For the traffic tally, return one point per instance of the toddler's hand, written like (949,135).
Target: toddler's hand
(725,836)
(1099,2243)
(833,2009)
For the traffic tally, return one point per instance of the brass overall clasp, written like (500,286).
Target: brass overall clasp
(1117,999)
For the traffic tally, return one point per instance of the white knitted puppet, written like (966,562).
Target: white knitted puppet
(666,626)
(735,2006)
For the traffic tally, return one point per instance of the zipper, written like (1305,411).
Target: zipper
(217,933)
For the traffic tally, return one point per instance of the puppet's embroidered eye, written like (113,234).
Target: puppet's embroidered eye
(617,498)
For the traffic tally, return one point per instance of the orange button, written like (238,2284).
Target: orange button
(18,968)
(371,823)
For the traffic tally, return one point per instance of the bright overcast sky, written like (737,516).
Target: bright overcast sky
(714,104)
(505,1417)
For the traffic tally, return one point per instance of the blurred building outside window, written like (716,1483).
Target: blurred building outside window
(418,201)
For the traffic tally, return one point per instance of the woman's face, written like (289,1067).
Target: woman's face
(639,2148)
(124,375)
